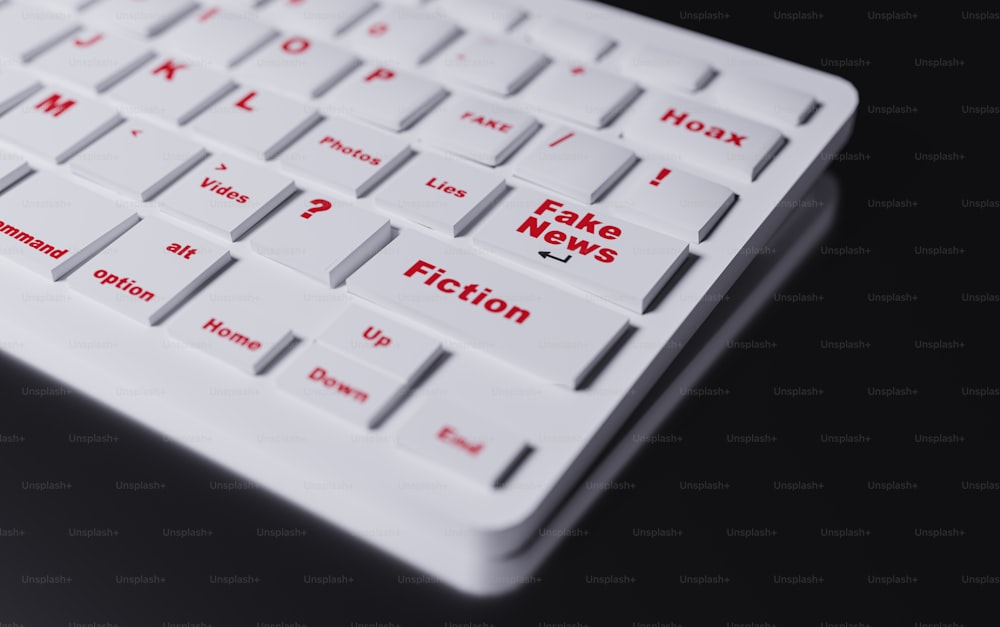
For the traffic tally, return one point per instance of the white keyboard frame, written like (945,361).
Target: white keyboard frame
(466,535)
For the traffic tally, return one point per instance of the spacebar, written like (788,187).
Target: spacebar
(532,325)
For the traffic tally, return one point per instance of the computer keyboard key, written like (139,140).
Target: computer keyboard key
(500,312)
(484,15)
(322,238)
(94,60)
(321,17)
(586,95)
(440,193)
(171,89)
(302,67)
(55,123)
(256,122)
(564,39)
(240,318)
(401,35)
(15,86)
(495,65)
(657,67)
(12,169)
(459,441)
(225,195)
(346,388)
(217,37)
(27,30)
(578,165)
(763,99)
(707,138)
(386,97)
(668,200)
(382,342)
(149,270)
(478,129)
(616,260)
(137,159)
(345,156)
(55,225)
(146,18)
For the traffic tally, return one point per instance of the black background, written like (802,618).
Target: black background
(896,205)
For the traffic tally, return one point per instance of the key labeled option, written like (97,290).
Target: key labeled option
(468,446)
(478,129)
(338,384)
(50,225)
(575,164)
(599,253)
(226,195)
(707,138)
(344,155)
(442,194)
(507,315)
(324,239)
(381,342)
(149,271)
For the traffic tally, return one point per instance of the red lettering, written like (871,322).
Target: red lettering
(450,436)
(53,105)
(168,68)
(381,74)
(295,45)
(89,42)
(215,326)
(735,139)
(208,14)
(672,116)
(244,103)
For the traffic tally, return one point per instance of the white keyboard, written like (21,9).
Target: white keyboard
(410,266)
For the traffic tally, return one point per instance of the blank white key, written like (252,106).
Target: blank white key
(457,440)
(484,15)
(705,137)
(27,30)
(390,98)
(94,59)
(495,65)
(217,37)
(54,225)
(345,156)
(56,123)
(382,342)
(15,86)
(575,164)
(225,195)
(12,168)
(257,122)
(171,89)
(668,200)
(303,67)
(145,18)
(566,39)
(587,95)
(478,129)
(137,159)
(658,67)
(322,17)
(401,35)
(324,239)
(503,313)
(348,389)
(149,271)
(440,193)
(763,99)
(602,254)
(239,318)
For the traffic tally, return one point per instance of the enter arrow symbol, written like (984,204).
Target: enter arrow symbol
(221,166)
(136,132)
(547,255)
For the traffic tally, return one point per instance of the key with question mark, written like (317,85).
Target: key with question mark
(318,205)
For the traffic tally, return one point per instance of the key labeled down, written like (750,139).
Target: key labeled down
(599,253)
(525,322)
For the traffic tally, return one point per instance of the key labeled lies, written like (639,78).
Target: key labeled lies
(608,257)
